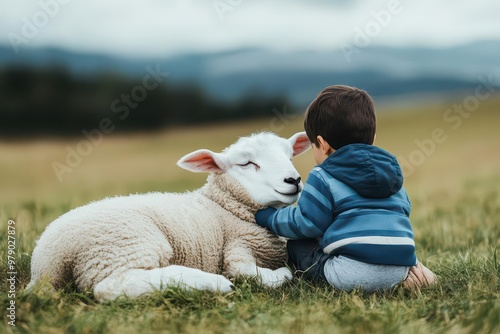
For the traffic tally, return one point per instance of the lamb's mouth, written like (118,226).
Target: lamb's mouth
(288,194)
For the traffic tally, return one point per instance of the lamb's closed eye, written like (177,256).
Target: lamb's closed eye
(249,164)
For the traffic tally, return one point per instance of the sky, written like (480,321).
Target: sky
(153,28)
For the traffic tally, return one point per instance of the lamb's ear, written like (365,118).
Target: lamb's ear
(300,143)
(204,161)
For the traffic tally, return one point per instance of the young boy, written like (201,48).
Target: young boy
(351,225)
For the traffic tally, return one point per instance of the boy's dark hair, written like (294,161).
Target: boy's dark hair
(342,115)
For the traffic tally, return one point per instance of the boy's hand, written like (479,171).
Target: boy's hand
(261,217)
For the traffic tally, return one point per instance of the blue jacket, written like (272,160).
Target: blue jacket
(354,201)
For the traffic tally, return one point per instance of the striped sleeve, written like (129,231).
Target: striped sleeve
(311,217)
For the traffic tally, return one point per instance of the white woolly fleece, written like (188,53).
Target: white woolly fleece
(205,229)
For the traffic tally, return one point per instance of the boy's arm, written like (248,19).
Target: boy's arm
(309,219)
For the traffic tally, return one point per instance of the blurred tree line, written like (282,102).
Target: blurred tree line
(54,102)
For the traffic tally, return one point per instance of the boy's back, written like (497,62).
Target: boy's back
(370,209)
(353,200)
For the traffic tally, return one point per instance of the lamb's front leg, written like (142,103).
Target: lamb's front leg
(239,260)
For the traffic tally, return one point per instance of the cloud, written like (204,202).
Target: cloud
(160,28)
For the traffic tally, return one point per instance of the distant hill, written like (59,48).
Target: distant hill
(383,71)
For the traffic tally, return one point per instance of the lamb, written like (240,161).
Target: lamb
(133,245)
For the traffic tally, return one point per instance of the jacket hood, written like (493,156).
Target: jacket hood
(371,171)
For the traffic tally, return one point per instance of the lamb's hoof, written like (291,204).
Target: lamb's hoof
(276,278)
(419,276)
(227,288)
(221,284)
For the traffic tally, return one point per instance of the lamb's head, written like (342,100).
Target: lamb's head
(261,163)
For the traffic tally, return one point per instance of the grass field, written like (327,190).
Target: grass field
(454,185)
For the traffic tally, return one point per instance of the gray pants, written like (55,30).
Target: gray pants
(307,257)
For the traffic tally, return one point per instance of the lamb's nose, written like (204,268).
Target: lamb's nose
(293,181)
